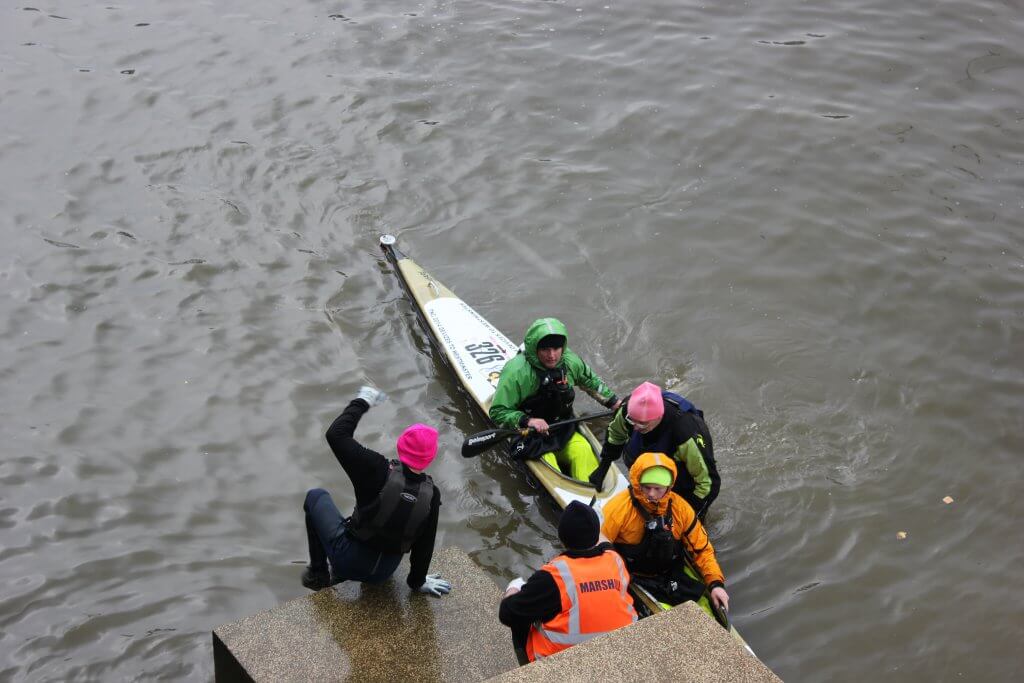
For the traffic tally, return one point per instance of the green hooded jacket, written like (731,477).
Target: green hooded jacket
(520,378)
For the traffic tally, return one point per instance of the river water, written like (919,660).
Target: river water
(805,217)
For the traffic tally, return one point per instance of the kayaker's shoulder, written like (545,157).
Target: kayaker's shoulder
(574,364)
(617,504)
(515,364)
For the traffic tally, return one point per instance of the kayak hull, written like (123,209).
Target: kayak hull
(476,351)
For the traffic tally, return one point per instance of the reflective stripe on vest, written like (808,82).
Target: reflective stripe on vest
(573,634)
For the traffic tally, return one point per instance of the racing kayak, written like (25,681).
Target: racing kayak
(476,351)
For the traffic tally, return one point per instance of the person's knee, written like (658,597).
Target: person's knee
(312,496)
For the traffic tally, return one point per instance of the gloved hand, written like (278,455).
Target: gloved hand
(598,475)
(515,585)
(374,397)
(435,585)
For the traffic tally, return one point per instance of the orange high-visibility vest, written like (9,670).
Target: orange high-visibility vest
(594,601)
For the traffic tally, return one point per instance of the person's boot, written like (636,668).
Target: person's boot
(316,579)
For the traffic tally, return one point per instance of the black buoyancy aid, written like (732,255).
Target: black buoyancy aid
(658,552)
(658,563)
(392,521)
(682,421)
(553,399)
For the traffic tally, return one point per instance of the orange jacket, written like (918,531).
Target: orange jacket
(594,601)
(624,524)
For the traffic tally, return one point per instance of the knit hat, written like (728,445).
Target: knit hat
(645,403)
(551,341)
(579,526)
(417,446)
(656,476)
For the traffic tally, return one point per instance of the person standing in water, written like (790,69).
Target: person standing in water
(656,421)
(658,534)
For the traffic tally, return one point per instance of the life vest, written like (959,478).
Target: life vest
(595,601)
(391,521)
(682,421)
(554,397)
(659,550)
(658,562)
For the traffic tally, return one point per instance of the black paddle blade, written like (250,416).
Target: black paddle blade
(481,441)
(720,614)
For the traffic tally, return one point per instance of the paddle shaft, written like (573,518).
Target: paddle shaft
(477,443)
(721,615)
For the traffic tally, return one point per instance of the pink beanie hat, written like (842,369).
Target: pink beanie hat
(645,403)
(417,446)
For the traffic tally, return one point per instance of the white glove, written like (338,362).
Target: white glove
(435,585)
(374,397)
(516,583)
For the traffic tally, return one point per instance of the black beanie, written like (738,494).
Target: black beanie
(579,527)
(551,341)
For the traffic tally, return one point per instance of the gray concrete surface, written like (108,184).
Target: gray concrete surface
(353,632)
(374,633)
(683,644)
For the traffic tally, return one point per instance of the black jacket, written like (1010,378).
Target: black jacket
(368,470)
(539,599)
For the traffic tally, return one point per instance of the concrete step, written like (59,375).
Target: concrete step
(359,632)
(388,633)
(683,644)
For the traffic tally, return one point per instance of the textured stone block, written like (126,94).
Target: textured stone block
(374,633)
(683,644)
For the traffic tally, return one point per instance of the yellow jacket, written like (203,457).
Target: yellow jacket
(624,524)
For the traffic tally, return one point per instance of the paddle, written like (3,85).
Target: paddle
(477,443)
(721,614)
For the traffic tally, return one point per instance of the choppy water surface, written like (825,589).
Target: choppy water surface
(806,217)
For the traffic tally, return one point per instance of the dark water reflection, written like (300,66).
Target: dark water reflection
(805,218)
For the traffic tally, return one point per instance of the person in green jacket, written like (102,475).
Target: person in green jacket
(536,388)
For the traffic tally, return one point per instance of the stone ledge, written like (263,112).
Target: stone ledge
(387,633)
(374,633)
(682,644)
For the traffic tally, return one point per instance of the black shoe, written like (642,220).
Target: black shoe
(316,580)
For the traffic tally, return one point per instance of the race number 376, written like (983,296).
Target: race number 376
(485,352)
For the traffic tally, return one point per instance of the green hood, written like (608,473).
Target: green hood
(538,330)
(520,378)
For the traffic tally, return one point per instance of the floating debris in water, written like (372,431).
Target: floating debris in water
(62,245)
(947,500)
(900,535)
